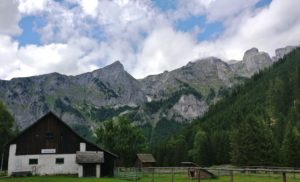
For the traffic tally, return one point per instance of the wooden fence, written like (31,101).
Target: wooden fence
(134,174)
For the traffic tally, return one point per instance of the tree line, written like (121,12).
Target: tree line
(7,132)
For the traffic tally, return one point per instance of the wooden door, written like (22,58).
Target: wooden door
(89,170)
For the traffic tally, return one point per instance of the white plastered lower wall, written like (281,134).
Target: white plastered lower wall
(46,163)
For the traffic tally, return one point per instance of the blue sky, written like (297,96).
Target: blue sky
(209,30)
(29,27)
(148,37)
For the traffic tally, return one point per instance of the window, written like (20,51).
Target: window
(60,160)
(49,135)
(33,161)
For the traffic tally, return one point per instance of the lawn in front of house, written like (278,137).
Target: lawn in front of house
(157,178)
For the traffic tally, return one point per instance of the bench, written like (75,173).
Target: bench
(21,173)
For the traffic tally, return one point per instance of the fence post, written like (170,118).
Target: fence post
(294,174)
(231,176)
(283,177)
(198,175)
(153,175)
(2,158)
(136,175)
(172,179)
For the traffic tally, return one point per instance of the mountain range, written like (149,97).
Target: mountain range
(159,104)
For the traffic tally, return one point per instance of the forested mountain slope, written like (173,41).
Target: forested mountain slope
(258,123)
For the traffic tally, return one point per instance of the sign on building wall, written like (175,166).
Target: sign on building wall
(48,151)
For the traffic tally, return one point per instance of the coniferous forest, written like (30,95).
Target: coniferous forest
(258,123)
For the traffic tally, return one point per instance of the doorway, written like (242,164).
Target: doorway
(89,170)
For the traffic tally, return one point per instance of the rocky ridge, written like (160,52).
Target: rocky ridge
(178,96)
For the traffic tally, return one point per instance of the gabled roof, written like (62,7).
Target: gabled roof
(190,164)
(67,126)
(146,158)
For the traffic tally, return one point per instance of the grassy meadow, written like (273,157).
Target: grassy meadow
(158,178)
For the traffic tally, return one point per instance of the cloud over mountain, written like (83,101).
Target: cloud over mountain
(78,35)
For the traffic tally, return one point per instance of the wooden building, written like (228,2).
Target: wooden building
(145,160)
(196,172)
(50,147)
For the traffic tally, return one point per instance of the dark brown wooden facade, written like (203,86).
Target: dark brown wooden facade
(196,172)
(50,132)
(145,160)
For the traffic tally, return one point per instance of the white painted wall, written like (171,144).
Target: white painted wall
(46,163)
(11,158)
(80,168)
(80,171)
(98,170)
(82,147)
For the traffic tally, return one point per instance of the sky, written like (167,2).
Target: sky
(148,36)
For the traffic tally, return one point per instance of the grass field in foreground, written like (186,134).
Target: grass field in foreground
(160,178)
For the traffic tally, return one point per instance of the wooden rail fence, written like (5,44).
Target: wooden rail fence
(134,174)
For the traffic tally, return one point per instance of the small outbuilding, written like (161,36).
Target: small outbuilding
(196,172)
(145,160)
(50,147)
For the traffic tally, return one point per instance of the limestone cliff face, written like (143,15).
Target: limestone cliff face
(189,107)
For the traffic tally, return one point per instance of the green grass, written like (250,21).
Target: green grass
(158,178)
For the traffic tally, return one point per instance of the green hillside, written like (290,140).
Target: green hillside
(258,123)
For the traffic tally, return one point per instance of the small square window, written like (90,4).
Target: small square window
(60,160)
(33,161)
(49,136)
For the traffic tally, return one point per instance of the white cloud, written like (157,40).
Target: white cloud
(267,29)
(214,10)
(32,6)
(9,17)
(75,57)
(8,52)
(164,49)
(89,7)
(272,27)
(81,35)
(220,10)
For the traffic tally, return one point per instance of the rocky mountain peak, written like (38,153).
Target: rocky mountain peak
(255,60)
(251,51)
(113,70)
(117,65)
(210,60)
(281,52)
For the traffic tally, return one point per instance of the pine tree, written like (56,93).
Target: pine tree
(202,152)
(6,128)
(121,138)
(176,148)
(253,144)
(290,150)
(268,146)
(243,144)
(220,146)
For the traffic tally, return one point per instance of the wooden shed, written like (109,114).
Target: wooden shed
(196,172)
(145,160)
